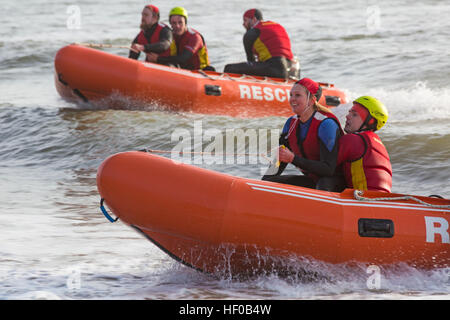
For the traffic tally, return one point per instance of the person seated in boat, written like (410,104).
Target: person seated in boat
(154,36)
(188,48)
(309,141)
(268,49)
(364,158)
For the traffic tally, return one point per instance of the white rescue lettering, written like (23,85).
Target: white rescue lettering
(245,91)
(437,225)
(268,94)
(263,93)
(279,94)
(257,93)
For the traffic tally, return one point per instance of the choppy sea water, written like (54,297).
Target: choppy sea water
(55,243)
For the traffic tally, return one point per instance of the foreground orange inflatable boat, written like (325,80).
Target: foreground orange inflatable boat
(215,222)
(87,74)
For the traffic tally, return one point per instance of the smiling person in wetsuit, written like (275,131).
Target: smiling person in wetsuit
(154,36)
(268,49)
(364,158)
(309,141)
(188,49)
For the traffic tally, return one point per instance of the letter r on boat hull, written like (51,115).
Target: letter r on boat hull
(437,225)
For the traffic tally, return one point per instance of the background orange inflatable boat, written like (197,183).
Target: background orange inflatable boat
(90,74)
(214,222)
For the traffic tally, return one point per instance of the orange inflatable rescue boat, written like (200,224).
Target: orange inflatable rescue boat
(215,222)
(88,74)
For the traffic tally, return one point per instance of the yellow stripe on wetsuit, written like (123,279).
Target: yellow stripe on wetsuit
(261,50)
(358,176)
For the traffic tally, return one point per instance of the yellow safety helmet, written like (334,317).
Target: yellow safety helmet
(179,11)
(376,109)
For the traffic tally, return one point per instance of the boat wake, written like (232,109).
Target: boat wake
(306,276)
(303,278)
(117,101)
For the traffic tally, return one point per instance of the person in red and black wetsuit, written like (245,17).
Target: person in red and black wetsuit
(188,49)
(154,36)
(309,141)
(364,158)
(268,49)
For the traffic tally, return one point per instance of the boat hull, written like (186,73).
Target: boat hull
(88,74)
(216,223)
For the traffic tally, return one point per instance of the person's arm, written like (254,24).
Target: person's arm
(132,54)
(329,134)
(165,39)
(249,39)
(180,59)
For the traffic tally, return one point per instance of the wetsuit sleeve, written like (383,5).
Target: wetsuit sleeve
(132,54)
(165,38)
(180,59)
(328,131)
(329,134)
(249,39)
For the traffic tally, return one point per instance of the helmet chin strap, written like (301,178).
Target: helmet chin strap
(366,124)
